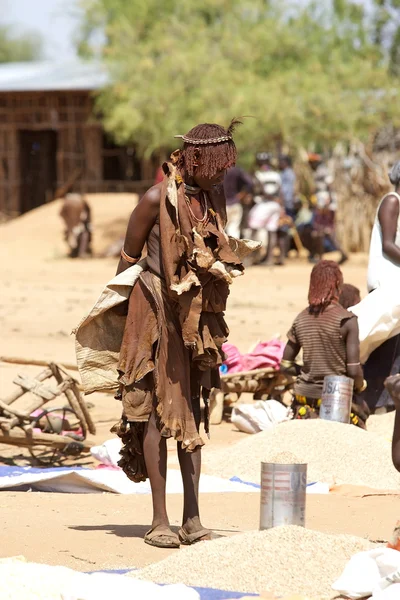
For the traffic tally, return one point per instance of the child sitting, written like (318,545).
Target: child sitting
(328,335)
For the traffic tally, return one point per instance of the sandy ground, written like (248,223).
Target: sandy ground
(43,297)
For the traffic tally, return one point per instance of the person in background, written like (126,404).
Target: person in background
(237,185)
(384,269)
(76,215)
(288,185)
(268,180)
(392,385)
(324,226)
(328,335)
(349,295)
(266,214)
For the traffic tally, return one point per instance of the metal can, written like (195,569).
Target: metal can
(337,395)
(283,495)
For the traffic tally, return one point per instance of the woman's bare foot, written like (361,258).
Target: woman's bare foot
(192,531)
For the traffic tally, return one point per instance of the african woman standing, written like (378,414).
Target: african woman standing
(171,349)
(384,271)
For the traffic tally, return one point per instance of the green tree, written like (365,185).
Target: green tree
(307,74)
(14,48)
(386,20)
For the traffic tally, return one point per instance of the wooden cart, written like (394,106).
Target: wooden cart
(262,383)
(51,434)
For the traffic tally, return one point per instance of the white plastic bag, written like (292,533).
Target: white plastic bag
(108,453)
(373,572)
(262,415)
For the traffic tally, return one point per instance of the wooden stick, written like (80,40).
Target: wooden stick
(17,437)
(34,362)
(296,238)
(20,392)
(73,402)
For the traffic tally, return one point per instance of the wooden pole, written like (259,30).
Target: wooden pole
(17,437)
(20,392)
(15,360)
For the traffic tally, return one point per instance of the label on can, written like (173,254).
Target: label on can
(336,399)
(287,484)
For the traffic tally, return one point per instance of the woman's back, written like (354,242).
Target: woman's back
(324,348)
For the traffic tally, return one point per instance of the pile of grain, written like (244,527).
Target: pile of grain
(334,452)
(382,424)
(283,458)
(284,560)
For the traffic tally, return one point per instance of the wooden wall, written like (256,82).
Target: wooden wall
(79,138)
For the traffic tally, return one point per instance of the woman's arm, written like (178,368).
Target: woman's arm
(388,216)
(289,356)
(140,223)
(354,370)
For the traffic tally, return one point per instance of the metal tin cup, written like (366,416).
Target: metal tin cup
(283,495)
(337,395)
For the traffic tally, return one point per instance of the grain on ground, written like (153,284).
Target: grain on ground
(283,560)
(382,424)
(334,452)
(283,458)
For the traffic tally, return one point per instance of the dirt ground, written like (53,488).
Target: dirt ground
(43,297)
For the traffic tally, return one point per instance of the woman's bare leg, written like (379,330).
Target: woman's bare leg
(190,463)
(155,455)
(392,384)
(396,439)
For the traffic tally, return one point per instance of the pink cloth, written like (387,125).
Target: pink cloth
(265,355)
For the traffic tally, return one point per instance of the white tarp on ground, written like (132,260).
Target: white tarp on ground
(89,481)
(20,580)
(83,481)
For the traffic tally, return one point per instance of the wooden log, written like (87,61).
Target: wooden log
(269,372)
(17,437)
(34,362)
(38,402)
(21,391)
(89,421)
(73,402)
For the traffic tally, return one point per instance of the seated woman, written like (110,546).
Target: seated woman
(328,335)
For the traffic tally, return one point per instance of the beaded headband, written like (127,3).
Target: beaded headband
(187,140)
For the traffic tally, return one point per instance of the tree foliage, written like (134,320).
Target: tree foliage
(307,74)
(15,48)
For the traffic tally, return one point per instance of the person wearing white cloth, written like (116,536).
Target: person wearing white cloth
(384,271)
(266,213)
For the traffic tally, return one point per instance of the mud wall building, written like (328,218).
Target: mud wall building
(50,137)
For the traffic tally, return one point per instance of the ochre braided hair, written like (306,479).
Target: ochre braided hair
(208,157)
(325,284)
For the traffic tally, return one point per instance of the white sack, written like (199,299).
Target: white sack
(262,415)
(372,572)
(108,453)
(378,318)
